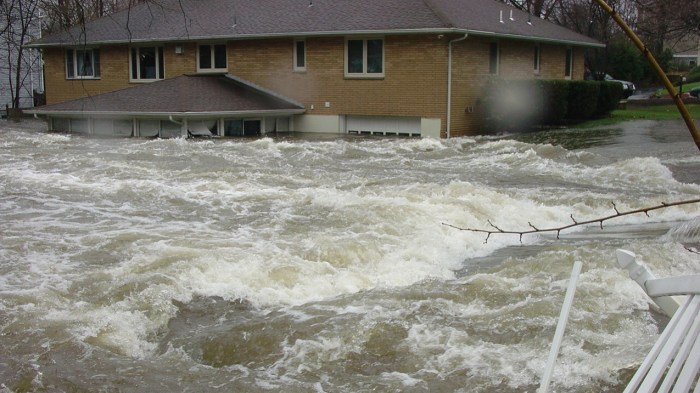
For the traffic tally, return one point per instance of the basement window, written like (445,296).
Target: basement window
(82,63)
(364,58)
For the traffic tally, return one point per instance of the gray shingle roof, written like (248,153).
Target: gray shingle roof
(185,94)
(180,20)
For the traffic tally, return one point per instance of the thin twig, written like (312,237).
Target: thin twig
(558,230)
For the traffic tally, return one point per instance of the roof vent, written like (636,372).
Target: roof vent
(511,15)
(311,3)
(501,17)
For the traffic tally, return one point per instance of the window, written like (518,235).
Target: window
(82,63)
(299,55)
(494,58)
(147,64)
(364,58)
(536,59)
(569,64)
(212,58)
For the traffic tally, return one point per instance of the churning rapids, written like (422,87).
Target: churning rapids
(321,264)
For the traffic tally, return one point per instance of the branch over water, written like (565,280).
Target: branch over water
(575,223)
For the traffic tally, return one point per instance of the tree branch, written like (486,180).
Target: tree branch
(558,230)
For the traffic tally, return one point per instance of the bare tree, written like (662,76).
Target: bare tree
(667,22)
(19,27)
(62,14)
(544,9)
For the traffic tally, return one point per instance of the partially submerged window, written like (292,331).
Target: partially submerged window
(149,128)
(494,58)
(299,55)
(82,63)
(242,127)
(81,126)
(569,64)
(233,127)
(536,59)
(212,58)
(112,127)
(147,63)
(364,58)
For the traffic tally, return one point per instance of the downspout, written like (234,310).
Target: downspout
(449,81)
(182,124)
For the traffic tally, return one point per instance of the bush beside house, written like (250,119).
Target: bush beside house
(521,105)
(693,75)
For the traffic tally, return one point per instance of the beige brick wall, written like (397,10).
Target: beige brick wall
(415,72)
(114,73)
(180,64)
(415,81)
(471,71)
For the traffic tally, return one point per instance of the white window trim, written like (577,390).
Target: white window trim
(75,64)
(364,74)
(296,67)
(538,59)
(137,78)
(213,61)
(569,53)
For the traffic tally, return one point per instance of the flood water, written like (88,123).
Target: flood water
(322,264)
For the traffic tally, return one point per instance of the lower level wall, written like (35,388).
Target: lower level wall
(372,125)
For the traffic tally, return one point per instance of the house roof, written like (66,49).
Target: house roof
(191,95)
(187,20)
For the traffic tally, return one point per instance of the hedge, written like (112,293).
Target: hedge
(520,105)
(610,95)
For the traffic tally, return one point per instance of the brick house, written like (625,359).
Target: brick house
(405,67)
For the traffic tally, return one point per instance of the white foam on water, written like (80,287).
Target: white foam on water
(136,224)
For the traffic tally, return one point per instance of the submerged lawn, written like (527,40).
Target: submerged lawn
(652,112)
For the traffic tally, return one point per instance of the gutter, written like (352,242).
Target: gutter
(169,115)
(449,81)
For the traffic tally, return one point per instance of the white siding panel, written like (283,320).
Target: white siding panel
(384,125)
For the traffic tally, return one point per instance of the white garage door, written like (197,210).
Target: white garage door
(383,125)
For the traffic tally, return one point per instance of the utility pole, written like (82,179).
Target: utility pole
(657,68)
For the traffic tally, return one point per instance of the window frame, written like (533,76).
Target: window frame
(160,64)
(297,67)
(71,63)
(494,61)
(569,64)
(365,59)
(212,57)
(537,59)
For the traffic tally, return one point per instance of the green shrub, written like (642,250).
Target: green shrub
(520,105)
(510,105)
(693,75)
(582,99)
(554,95)
(610,95)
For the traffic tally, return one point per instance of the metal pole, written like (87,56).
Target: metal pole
(657,68)
(561,325)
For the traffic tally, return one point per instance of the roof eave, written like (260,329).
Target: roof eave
(536,39)
(233,37)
